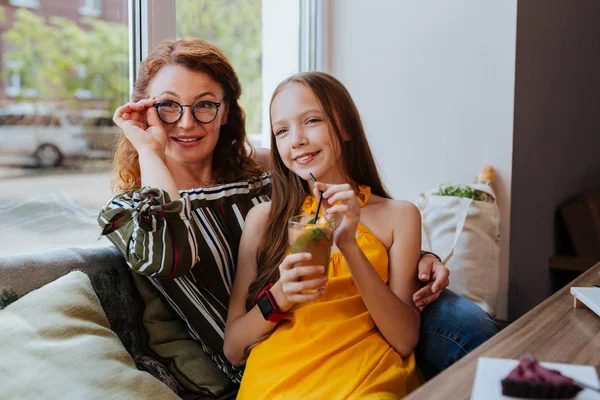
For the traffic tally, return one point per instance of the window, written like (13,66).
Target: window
(26,3)
(76,89)
(13,79)
(17,83)
(81,93)
(91,8)
(91,86)
(237,27)
(58,75)
(260,37)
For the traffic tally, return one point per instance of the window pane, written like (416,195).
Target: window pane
(258,37)
(65,73)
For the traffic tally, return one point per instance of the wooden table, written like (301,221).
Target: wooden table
(554,331)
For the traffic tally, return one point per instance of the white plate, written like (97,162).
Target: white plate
(491,371)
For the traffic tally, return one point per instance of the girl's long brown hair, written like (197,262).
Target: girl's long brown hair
(289,190)
(231,159)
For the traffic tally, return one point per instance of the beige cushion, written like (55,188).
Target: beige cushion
(55,343)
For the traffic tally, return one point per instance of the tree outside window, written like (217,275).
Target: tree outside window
(236,27)
(51,52)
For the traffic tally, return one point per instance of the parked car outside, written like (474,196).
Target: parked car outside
(102,136)
(46,135)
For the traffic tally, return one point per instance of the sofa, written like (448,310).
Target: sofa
(60,308)
(72,328)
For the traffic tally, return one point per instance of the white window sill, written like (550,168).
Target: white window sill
(90,12)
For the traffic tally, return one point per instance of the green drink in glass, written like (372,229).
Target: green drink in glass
(314,238)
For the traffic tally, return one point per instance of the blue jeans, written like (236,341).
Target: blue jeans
(450,328)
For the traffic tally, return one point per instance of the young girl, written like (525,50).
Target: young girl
(354,338)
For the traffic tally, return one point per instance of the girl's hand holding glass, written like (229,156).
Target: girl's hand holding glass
(142,127)
(291,288)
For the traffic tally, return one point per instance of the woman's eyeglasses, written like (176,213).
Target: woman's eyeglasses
(203,111)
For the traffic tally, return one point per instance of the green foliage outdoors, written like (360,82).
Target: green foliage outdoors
(236,27)
(460,191)
(51,49)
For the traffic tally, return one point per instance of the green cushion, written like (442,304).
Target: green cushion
(169,338)
(56,343)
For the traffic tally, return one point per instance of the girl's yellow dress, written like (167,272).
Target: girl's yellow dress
(330,348)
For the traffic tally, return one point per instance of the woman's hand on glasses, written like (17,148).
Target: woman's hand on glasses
(142,127)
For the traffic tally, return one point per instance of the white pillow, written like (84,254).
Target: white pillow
(56,343)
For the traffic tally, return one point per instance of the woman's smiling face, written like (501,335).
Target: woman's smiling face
(190,141)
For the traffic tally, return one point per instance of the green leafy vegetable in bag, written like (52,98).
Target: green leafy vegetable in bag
(460,191)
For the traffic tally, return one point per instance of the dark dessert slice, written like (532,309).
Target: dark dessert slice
(532,381)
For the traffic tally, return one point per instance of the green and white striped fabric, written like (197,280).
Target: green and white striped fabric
(187,249)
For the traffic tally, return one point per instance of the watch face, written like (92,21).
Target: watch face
(265,307)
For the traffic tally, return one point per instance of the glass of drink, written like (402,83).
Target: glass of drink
(314,238)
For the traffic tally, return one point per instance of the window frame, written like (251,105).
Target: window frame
(152,21)
(308,35)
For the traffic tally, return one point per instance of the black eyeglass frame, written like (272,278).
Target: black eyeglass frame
(192,106)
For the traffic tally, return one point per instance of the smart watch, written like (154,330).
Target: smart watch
(268,306)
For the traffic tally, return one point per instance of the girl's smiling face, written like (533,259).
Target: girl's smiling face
(302,133)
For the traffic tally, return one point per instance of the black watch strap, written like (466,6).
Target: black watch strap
(424,252)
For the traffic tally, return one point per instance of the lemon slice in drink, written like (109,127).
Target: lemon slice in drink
(316,241)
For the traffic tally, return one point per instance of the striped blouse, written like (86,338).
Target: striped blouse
(188,249)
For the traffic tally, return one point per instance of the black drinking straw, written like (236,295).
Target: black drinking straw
(320,198)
